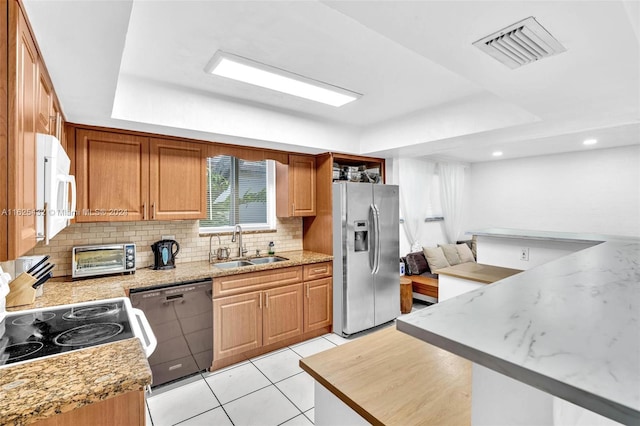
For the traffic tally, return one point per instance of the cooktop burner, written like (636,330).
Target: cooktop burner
(33,318)
(91,312)
(58,330)
(20,350)
(88,334)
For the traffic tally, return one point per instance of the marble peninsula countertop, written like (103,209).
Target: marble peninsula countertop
(570,327)
(42,388)
(528,234)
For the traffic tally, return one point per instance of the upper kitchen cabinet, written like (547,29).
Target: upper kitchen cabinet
(112,177)
(125,177)
(296,187)
(178,180)
(318,229)
(50,120)
(27,103)
(18,116)
(23,105)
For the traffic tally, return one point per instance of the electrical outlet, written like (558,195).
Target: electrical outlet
(168,237)
(524,254)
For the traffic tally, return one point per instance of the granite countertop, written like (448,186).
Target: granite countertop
(49,386)
(42,388)
(570,327)
(60,293)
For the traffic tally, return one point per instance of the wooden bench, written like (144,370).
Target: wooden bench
(426,286)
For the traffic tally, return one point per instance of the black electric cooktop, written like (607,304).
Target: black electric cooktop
(27,336)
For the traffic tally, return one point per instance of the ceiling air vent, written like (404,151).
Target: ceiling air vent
(520,44)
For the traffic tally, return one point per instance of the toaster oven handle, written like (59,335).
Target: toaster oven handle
(82,249)
(148,339)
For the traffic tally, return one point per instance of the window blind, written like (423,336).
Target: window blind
(236,192)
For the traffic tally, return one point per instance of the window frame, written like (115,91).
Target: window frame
(270,225)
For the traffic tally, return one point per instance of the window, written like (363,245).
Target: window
(239,192)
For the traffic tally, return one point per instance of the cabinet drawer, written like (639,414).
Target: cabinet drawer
(318,270)
(251,281)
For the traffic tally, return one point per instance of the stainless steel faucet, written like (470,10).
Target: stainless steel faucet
(210,251)
(238,231)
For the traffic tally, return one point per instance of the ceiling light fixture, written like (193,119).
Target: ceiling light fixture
(497,154)
(590,142)
(242,69)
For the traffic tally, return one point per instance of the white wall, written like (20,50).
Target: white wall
(505,252)
(596,191)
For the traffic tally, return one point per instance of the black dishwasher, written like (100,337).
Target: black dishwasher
(181,316)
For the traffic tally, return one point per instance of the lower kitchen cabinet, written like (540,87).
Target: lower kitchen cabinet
(237,324)
(126,409)
(258,312)
(248,321)
(282,313)
(318,302)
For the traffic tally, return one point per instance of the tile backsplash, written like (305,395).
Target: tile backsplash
(193,245)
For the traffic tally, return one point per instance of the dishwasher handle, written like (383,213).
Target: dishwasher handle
(173,298)
(148,339)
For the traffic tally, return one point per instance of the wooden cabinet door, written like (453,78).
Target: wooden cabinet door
(124,409)
(22,144)
(46,116)
(178,172)
(237,324)
(318,302)
(57,128)
(112,177)
(302,187)
(296,187)
(282,313)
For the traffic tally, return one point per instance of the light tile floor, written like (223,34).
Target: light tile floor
(270,389)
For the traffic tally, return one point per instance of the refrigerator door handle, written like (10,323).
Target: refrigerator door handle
(373,236)
(376,242)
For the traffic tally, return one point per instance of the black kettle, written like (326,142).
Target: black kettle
(163,255)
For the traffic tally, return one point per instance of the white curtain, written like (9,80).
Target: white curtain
(452,198)
(415,182)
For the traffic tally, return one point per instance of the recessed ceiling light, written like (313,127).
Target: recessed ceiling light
(242,69)
(590,142)
(497,154)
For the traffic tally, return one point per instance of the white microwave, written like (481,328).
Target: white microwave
(56,188)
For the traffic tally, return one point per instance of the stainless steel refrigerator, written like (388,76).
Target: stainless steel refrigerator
(366,280)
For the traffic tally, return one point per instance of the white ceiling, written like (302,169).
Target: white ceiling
(426,90)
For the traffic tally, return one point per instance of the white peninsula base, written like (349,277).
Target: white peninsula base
(499,400)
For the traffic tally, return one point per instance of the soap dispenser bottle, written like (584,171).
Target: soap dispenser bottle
(272,248)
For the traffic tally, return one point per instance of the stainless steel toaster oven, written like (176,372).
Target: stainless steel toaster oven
(91,261)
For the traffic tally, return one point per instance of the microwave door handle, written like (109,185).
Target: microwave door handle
(46,223)
(72,205)
(69,207)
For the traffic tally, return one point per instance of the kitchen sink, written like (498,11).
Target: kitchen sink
(269,259)
(249,262)
(233,264)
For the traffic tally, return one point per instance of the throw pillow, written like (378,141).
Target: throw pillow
(451,253)
(435,258)
(465,253)
(416,263)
